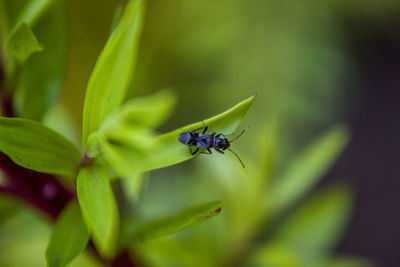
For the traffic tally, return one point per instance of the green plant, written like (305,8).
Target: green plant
(119,141)
(75,187)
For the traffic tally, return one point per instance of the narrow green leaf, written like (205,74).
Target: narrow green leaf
(113,71)
(167,150)
(69,237)
(306,169)
(36,147)
(33,9)
(41,77)
(22,43)
(132,232)
(99,207)
(316,227)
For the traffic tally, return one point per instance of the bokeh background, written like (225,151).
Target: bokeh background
(314,64)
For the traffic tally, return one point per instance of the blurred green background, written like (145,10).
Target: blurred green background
(304,59)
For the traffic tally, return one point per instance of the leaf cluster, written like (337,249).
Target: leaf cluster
(119,139)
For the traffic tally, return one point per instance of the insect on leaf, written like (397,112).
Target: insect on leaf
(99,207)
(131,232)
(37,147)
(69,237)
(113,71)
(167,150)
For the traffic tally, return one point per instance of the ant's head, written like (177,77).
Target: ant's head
(224,144)
(186,138)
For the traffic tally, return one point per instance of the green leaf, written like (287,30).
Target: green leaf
(99,207)
(167,150)
(132,232)
(41,77)
(113,71)
(69,237)
(132,148)
(306,169)
(22,43)
(316,227)
(33,9)
(36,147)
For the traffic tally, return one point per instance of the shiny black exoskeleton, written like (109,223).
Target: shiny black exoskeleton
(208,141)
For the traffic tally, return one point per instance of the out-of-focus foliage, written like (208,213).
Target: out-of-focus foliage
(213,53)
(22,42)
(140,232)
(69,237)
(250,233)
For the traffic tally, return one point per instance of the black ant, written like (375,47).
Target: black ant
(208,141)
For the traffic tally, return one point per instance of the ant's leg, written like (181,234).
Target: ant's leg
(220,151)
(213,133)
(209,151)
(194,152)
(218,135)
(204,127)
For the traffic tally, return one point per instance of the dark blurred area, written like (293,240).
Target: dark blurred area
(370,161)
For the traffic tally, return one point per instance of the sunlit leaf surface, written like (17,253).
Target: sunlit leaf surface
(113,71)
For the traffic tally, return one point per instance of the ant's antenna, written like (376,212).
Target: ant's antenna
(240,134)
(237,156)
